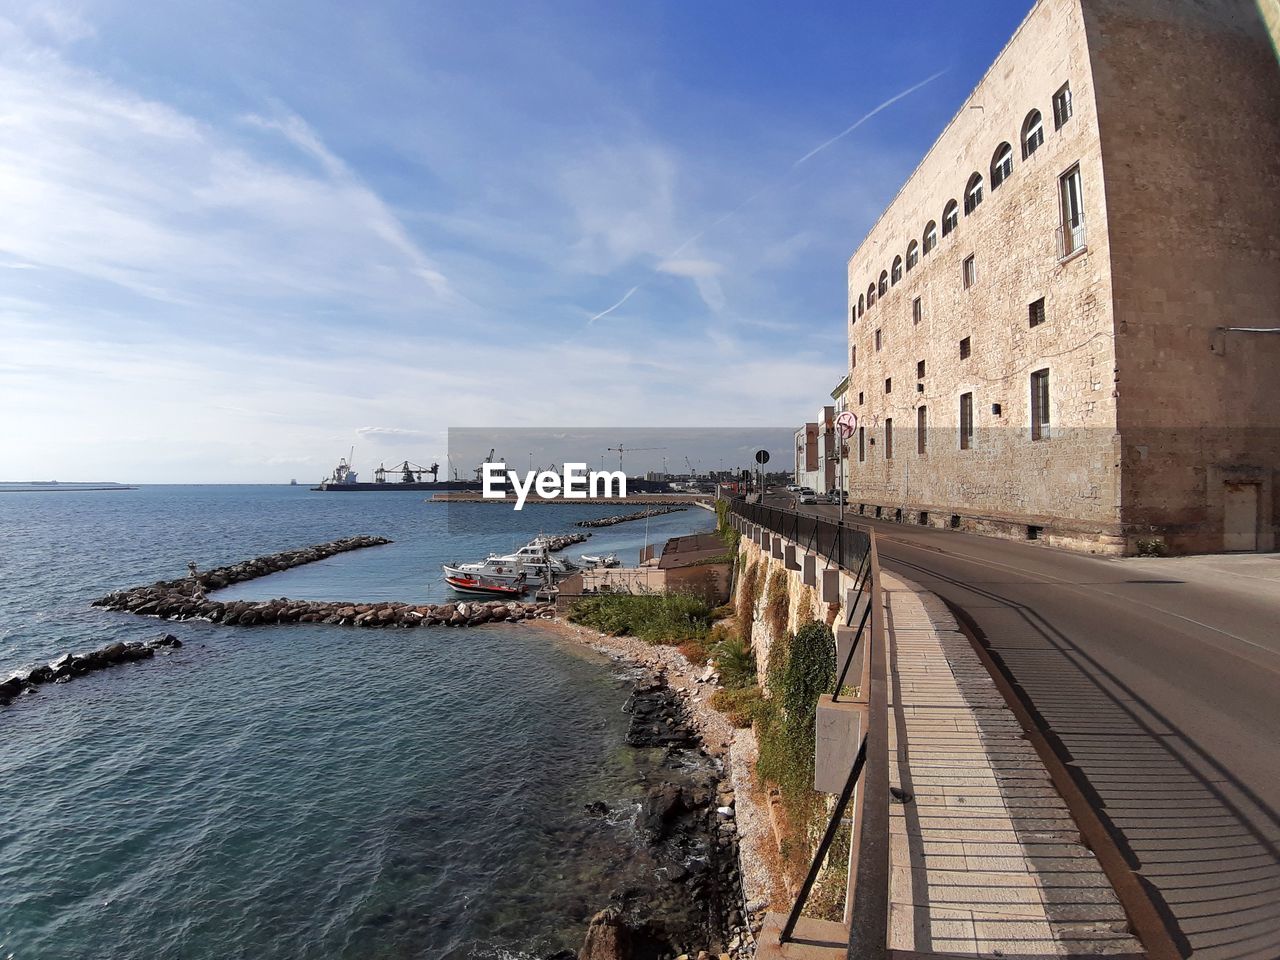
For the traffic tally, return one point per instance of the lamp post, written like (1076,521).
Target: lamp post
(846,427)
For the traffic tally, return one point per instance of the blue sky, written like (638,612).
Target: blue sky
(237,238)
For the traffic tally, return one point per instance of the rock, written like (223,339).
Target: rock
(608,938)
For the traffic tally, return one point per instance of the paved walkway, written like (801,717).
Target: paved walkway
(985,858)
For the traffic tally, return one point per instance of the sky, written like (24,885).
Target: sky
(238,239)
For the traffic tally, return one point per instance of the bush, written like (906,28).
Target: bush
(800,669)
(1154,547)
(735,660)
(748,592)
(668,618)
(741,706)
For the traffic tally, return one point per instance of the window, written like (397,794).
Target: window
(1001,165)
(1072,199)
(853,356)
(966,421)
(1062,107)
(1032,133)
(888,384)
(1035,312)
(917,311)
(1040,405)
(969,271)
(972,193)
(919,369)
(862,444)
(930,236)
(853,313)
(950,217)
(859,398)
(888,438)
(897,270)
(922,436)
(871,296)
(861,304)
(877,341)
(913,254)
(884,283)
(965,349)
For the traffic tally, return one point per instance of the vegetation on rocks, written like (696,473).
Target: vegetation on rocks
(776,602)
(666,618)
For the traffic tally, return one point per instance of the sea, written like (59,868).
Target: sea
(305,791)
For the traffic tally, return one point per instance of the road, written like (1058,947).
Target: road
(1159,683)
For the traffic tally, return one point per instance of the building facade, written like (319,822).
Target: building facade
(1066,325)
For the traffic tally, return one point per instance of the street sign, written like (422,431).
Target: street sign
(847,424)
(762,456)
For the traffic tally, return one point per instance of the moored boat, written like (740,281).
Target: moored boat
(603,560)
(477,586)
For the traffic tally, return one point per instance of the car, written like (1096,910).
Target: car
(836,496)
(807,496)
(793,488)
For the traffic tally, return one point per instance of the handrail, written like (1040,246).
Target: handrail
(853,549)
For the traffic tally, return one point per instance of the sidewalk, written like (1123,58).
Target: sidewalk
(985,858)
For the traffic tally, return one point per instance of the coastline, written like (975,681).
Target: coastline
(762,887)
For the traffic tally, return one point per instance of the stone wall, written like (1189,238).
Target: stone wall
(1189,112)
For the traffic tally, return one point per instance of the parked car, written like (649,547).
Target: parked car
(836,496)
(808,496)
(793,488)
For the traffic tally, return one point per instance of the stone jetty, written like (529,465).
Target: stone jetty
(624,517)
(72,665)
(561,540)
(185,599)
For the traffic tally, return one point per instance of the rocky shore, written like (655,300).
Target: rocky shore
(625,517)
(185,599)
(721,810)
(72,665)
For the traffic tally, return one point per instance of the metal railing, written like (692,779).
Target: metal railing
(852,549)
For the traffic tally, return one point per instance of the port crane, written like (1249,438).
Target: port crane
(692,470)
(479,471)
(409,472)
(619,450)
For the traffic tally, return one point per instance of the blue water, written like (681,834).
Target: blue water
(302,790)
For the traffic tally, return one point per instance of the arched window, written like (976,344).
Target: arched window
(972,194)
(1032,133)
(950,217)
(871,296)
(1001,165)
(913,254)
(884,283)
(861,304)
(930,236)
(896,275)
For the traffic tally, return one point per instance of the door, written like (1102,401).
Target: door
(1240,517)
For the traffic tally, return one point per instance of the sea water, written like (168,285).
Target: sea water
(302,790)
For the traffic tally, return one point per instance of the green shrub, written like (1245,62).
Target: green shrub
(1155,547)
(748,592)
(669,618)
(741,706)
(735,660)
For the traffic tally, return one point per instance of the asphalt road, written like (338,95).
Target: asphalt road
(1161,690)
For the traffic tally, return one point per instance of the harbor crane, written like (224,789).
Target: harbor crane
(619,450)
(692,470)
(409,472)
(479,471)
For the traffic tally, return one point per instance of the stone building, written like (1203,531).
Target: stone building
(1064,326)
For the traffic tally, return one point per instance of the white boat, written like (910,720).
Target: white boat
(530,562)
(604,560)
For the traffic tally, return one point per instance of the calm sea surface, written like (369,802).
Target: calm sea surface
(302,790)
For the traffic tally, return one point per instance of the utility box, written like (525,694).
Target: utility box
(837,735)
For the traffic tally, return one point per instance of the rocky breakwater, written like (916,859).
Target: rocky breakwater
(625,517)
(561,540)
(185,599)
(72,665)
(694,908)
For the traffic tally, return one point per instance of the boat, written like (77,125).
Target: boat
(530,564)
(603,560)
(344,479)
(478,586)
